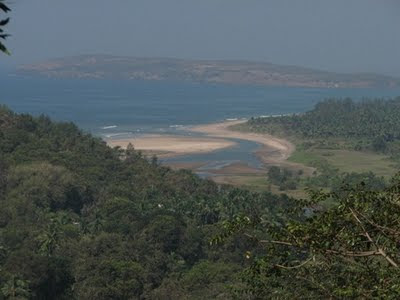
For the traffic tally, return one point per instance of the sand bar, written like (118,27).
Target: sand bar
(275,150)
(167,146)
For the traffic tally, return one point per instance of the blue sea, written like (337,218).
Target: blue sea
(122,108)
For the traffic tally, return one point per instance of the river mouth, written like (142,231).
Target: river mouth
(237,155)
(212,150)
(211,164)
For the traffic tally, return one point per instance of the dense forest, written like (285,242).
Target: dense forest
(80,220)
(365,125)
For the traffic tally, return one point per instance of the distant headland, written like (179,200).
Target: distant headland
(209,71)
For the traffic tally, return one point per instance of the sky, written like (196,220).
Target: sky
(335,35)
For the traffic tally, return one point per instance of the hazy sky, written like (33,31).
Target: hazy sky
(338,35)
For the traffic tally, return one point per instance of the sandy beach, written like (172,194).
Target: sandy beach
(217,136)
(168,145)
(274,150)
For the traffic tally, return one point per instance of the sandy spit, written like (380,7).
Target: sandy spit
(168,146)
(274,150)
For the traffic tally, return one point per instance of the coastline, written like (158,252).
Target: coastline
(165,146)
(274,150)
(215,136)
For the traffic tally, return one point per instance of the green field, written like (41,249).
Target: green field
(258,183)
(347,161)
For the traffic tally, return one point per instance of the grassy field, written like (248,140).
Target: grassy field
(347,161)
(257,183)
(342,160)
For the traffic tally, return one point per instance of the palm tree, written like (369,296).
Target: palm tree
(49,239)
(15,289)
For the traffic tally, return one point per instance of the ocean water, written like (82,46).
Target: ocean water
(123,108)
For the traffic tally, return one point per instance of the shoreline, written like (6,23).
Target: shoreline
(166,146)
(273,151)
(214,137)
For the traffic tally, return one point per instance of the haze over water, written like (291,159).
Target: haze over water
(121,109)
(138,106)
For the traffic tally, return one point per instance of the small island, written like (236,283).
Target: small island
(209,71)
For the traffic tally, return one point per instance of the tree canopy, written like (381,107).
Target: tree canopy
(348,251)
(368,124)
(81,220)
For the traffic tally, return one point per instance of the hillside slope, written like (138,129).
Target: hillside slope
(79,220)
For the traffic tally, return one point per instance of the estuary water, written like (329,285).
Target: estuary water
(124,108)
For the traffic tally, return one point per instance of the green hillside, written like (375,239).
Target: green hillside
(79,220)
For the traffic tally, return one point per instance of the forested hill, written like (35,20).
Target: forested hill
(79,220)
(213,71)
(371,123)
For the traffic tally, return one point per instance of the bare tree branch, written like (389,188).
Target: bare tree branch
(379,249)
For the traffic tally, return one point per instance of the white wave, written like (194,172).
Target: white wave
(109,127)
(116,134)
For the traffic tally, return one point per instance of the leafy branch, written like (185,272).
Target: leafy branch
(358,237)
(3,22)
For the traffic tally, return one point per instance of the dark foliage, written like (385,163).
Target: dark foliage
(81,220)
(350,251)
